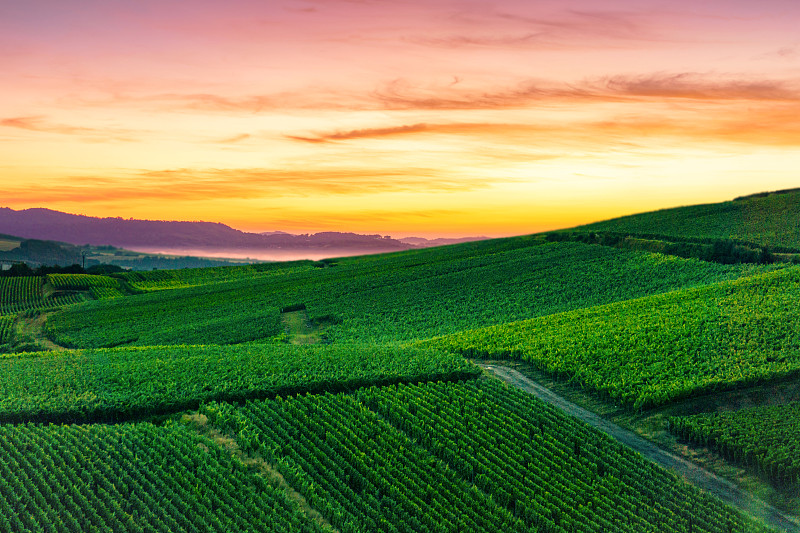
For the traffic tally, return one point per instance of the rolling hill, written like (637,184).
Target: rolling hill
(337,395)
(770,219)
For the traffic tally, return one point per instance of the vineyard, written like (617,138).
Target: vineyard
(658,349)
(190,277)
(766,439)
(6,329)
(198,412)
(768,219)
(25,295)
(407,296)
(472,456)
(116,384)
(20,290)
(82,282)
(132,477)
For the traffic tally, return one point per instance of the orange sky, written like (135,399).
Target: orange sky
(404,117)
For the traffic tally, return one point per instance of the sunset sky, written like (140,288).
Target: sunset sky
(401,117)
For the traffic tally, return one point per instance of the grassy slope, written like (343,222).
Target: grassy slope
(772,220)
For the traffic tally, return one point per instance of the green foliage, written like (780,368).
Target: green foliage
(358,471)
(116,384)
(771,220)
(766,439)
(657,349)
(391,298)
(133,478)
(717,250)
(190,277)
(6,330)
(82,282)
(20,290)
(24,295)
(471,456)
(102,293)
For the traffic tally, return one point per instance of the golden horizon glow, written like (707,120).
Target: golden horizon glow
(413,118)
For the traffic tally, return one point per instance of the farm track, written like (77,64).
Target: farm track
(722,488)
(199,423)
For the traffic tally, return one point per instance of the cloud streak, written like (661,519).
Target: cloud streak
(41,124)
(190,184)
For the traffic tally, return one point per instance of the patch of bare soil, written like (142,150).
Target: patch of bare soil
(255,462)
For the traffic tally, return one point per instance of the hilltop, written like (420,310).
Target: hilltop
(769,219)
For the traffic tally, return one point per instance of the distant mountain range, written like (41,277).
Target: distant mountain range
(46,224)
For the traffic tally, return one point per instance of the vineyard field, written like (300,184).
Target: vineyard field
(116,384)
(152,280)
(82,282)
(768,219)
(654,350)
(6,329)
(339,395)
(766,439)
(132,477)
(471,456)
(401,297)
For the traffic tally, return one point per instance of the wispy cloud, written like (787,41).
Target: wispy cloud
(449,94)
(567,29)
(235,139)
(189,184)
(402,94)
(694,86)
(41,124)
(362,133)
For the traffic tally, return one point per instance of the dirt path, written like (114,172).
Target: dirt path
(722,488)
(226,442)
(33,328)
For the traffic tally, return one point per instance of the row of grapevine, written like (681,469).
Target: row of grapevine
(544,465)
(82,282)
(189,277)
(212,314)
(51,303)
(115,384)
(765,439)
(661,348)
(444,456)
(404,296)
(19,290)
(359,472)
(6,329)
(101,293)
(132,478)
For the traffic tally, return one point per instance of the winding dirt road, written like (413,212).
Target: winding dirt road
(716,485)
